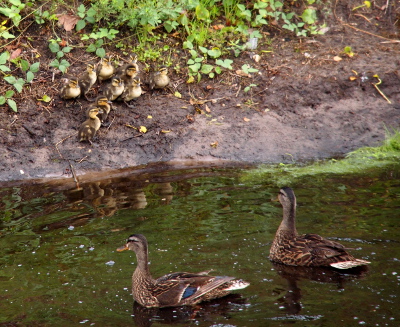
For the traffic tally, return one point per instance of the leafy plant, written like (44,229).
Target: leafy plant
(60,51)
(12,12)
(18,83)
(98,36)
(85,16)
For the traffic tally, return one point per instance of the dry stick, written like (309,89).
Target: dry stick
(362,31)
(62,157)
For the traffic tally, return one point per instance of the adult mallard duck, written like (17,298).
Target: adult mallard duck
(175,289)
(88,129)
(309,250)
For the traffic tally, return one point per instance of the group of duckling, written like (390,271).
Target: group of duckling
(288,248)
(125,86)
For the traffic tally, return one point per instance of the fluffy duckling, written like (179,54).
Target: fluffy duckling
(159,79)
(104,104)
(128,74)
(115,89)
(70,89)
(105,69)
(132,91)
(88,129)
(133,61)
(87,80)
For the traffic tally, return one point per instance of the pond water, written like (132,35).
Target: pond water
(58,264)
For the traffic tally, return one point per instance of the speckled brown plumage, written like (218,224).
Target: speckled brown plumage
(306,250)
(174,289)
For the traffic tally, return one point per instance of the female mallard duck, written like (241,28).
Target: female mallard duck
(87,80)
(132,91)
(88,129)
(159,79)
(104,104)
(306,250)
(115,89)
(176,289)
(70,89)
(105,69)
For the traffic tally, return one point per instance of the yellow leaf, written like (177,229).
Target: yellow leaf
(246,119)
(214,144)
(164,131)
(337,58)
(190,80)
(352,78)
(208,109)
(142,129)
(149,117)
(178,95)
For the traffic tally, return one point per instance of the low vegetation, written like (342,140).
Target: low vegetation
(210,30)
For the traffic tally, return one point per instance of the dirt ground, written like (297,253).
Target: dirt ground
(304,105)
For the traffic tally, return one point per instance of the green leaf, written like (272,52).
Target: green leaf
(12,105)
(7,35)
(203,49)
(4,57)
(54,47)
(29,76)
(24,65)
(91,48)
(2,100)
(80,25)
(309,16)
(195,68)
(206,69)
(81,9)
(100,52)
(201,12)
(99,43)
(4,68)
(66,49)
(214,53)
(187,45)
(45,98)
(10,79)
(218,70)
(9,93)
(60,54)
(62,68)
(225,63)
(34,67)
(19,84)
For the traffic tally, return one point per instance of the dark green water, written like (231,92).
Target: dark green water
(58,264)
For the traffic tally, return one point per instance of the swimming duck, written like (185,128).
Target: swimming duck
(175,289)
(132,91)
(70,89)
(105,69)
(87,80)
(104,104)
(115,89)
(88,129)
(159,79)
(306,250)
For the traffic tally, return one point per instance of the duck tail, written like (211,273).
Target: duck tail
(349,264)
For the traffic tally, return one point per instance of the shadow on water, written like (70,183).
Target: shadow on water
(58,264)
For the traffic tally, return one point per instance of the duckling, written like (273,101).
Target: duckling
(128,73)
(159,79)
(70,89)
(88,129)
(105,69)
(115,89)
(87,79)
(104,104)
(133,61)
(132,91)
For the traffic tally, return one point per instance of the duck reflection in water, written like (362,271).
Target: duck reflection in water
(291,299)
(145,317)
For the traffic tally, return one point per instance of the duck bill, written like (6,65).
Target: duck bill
(123,248)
